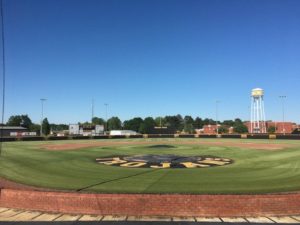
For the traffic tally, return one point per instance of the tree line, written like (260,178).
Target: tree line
(25,121)
(175,123)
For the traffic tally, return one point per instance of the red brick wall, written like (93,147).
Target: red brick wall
(153,204)
(288,127)
(209,129)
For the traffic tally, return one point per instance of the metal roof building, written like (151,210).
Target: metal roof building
(7,130)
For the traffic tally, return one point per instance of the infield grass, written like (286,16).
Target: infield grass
(253,170)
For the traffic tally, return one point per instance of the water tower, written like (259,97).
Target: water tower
(258,118)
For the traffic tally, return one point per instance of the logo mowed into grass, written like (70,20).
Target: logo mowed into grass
(164,161)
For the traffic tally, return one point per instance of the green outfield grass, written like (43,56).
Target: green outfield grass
(253,170)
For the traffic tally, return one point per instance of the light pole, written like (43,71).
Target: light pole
(42,101)
(92,111)
(106,105)
(217,102)
(160,124)
(282,97)
(3,70)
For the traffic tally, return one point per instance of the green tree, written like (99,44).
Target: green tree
(198,123)
(14,121)
(46,127)
(240,128)
(188,120)
(238,121)
(179,122)
(228,123)
(98,121)
(189,128)
(223,130)
(35,128)
(58,127)
(86,123)
(147,126)
(174,122)
(19,120)
(207,121)
(160,121)
(133,124)
(188,125)
(114,123)
(271,130)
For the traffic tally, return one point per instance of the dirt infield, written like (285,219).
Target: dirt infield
(248,145)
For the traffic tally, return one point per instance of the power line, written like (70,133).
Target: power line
(3,77)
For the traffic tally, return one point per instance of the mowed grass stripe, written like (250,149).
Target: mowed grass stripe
(253,171)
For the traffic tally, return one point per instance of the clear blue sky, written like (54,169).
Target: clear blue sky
(151,57)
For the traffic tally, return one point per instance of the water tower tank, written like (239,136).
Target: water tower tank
(257,92)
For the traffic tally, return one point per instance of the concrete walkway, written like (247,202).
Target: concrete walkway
(15,215)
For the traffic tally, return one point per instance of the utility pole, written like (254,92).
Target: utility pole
(42,101)
(160,125)
(282,97)
(92,110)
(217,109)
(2,36)
(106,105)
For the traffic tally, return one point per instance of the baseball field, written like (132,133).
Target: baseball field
(196,166)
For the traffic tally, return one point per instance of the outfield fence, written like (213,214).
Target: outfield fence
(236,136)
